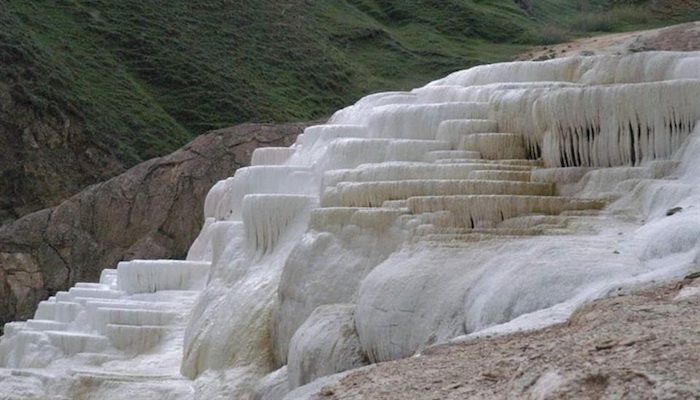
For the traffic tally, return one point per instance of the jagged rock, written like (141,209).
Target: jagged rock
(23,283)
(153,210)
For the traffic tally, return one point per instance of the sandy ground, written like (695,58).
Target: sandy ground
(684,37)
(644,345)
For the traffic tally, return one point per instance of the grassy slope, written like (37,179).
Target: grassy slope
(145,76)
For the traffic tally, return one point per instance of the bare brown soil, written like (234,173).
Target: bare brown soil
(683,37)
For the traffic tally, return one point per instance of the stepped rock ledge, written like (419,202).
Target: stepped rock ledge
(153,210)
(495,201)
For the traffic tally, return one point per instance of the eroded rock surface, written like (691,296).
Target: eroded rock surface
(46,156)
(153,210)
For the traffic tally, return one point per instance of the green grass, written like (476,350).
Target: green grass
(144,77)
(607,16)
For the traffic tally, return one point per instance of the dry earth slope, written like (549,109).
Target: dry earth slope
(683,37)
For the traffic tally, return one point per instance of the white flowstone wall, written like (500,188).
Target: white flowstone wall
(495,199)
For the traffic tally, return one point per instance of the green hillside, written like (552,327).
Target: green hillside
(136,79)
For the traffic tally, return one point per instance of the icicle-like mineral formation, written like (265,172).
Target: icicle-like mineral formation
(497,198)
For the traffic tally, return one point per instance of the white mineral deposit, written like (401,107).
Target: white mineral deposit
(498,198)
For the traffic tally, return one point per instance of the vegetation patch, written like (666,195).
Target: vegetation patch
(144,77)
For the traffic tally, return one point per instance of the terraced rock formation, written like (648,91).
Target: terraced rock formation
(153,210)
(137,309)
(497,199)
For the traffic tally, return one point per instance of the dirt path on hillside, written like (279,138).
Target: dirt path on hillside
(683,37)
(644,345)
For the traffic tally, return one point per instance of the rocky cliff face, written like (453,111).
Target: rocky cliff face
(153,210)
(46,157)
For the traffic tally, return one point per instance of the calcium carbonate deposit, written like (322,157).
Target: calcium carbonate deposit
(498,198)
